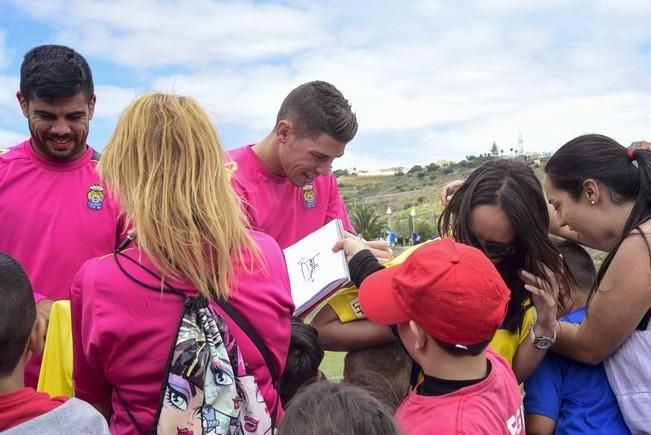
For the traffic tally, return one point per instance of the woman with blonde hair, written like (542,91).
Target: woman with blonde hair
(165,166)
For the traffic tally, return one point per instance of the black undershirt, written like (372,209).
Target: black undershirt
(432,386)
(364,264)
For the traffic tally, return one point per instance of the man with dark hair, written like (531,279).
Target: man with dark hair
(565,396)
(54,210)
(23,410)
(285,180)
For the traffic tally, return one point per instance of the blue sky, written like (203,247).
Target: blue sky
(428,79)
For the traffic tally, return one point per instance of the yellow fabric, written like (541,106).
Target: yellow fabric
(346,301)
(506,343)
(55,378)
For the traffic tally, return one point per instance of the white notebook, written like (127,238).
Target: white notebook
(314,270)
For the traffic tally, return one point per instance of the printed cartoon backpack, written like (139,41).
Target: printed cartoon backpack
(207,387)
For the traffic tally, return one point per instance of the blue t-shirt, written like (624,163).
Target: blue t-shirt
(577,396)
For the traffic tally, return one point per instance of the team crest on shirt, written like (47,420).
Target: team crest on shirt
(309,196)
(95,197)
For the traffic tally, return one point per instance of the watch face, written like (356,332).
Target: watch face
(543,342)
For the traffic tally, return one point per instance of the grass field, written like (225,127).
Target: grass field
(333,365)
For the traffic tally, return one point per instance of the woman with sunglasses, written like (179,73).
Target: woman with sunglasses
(500,208)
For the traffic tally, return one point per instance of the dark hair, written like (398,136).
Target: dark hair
(471,350)
(17,313)
(606,161)
(318,107)
(53,71)
(303,359)
(579,263)
(384,371)
(323,408)
(512,185)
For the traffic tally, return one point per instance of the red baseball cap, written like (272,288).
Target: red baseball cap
(451,290)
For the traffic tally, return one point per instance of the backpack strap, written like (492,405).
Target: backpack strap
(257,341)
(229,309)
(131,417)
(96,155)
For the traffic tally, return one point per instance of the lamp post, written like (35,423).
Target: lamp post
(390,240)
(413,225)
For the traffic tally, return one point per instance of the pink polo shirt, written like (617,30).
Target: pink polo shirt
(276,207)
(493,406)
(122,332)
(54,216)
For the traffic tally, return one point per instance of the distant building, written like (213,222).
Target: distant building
(379,172)
(445,163)
(642,144)
(532,155)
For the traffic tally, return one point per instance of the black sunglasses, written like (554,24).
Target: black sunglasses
(497,250)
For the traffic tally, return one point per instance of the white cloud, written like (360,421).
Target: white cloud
(428,80)
(150,33)
(4,57)
(111,100)
(10,138)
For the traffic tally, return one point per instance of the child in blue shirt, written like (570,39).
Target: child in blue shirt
(564,396)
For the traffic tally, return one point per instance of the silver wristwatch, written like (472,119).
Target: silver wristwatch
(542,343)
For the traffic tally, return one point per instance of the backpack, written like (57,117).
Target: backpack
(207,384)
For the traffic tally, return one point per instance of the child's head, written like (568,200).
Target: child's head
(384,371)
(303,360)
(18,325)
(450,291)
(580,264)
(582,269)
(337,409)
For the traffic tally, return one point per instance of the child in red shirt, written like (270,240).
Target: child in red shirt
(22,409)
(448,300)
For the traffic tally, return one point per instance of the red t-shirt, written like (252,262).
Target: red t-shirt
(492,406)
(23,405)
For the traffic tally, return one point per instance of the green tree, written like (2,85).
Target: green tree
(494,150)
(366,221)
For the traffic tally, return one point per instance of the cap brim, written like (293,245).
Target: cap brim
(377,298)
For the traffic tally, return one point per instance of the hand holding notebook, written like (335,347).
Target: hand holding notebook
(315,271)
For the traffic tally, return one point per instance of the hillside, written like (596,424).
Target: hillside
(419,188)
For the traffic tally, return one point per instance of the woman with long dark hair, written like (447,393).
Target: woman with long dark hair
(500,208)
(602,191)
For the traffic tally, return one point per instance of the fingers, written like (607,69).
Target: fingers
(350,246)
(449,190)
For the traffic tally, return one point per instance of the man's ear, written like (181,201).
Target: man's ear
(284,129)
(37,337)
(91,107)
(23,103)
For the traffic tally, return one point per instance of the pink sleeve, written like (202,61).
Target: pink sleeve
(88,375)
(336,206)
(38,297)
(241,195)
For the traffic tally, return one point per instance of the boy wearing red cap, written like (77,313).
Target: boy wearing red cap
(447,300)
